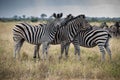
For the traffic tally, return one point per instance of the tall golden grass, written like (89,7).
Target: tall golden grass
(89,68)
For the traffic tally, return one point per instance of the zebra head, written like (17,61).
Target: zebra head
(117,24)
(68,18)
(78,21)
(84,24)
(57,21)
(104,25)
(53,26)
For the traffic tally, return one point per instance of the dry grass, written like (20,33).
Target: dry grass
(89,68)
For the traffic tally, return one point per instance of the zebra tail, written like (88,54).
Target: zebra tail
(109,35)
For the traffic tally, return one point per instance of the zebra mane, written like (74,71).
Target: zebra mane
(79,16)
(42,25)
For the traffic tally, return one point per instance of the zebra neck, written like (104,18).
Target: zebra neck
(47,34)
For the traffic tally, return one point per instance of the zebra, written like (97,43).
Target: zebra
(55,41)
(115,29)
(90,38)
(104,25)
(67,33)
(36,35)
(117,24)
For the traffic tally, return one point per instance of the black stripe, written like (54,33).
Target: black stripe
(22,30)
(36,37)
(94,33)
(98,37)
(18,32)
(29,35)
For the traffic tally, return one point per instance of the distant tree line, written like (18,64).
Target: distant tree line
(103,19)
(43,17)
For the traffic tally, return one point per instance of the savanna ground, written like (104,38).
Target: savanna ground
(89,68)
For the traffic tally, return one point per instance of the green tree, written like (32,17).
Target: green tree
(34,19)
(43,16)
(24,17)
(15,17)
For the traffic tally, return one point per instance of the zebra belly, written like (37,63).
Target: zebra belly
(87,45)
(34,43)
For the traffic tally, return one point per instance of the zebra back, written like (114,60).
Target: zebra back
(93,37)
(37,35)
(27,32)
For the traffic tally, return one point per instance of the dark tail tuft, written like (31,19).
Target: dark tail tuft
(109,35)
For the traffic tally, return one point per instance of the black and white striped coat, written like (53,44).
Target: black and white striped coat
(36,35)
(91,38)
(67,33)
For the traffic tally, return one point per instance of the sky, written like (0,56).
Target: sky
(91,8)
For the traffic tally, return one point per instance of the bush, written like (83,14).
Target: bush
(34,19)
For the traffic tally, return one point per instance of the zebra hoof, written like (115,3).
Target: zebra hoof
(60,57)
(34,56)
(66,57)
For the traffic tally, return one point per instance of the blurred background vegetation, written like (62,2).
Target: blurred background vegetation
(44,17)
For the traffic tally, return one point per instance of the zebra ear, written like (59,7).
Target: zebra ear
(41,24)
(54,15)
(60,15)
(69,15)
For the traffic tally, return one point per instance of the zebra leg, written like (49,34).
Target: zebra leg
(44,50)
(36,51)
(66,50)
(77,50)
(62,50)
(17,46)
(101,48)
(47,47)
(108,50)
